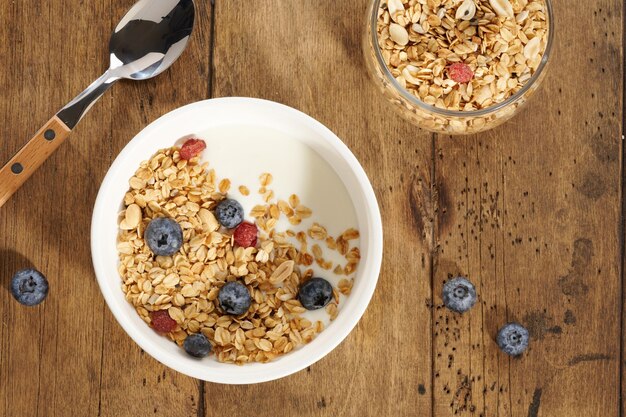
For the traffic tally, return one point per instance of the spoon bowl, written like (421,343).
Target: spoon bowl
(150,38)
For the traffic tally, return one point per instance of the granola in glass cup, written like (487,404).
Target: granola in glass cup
(458,66)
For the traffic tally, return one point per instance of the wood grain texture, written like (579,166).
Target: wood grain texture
(68,356)
(128,372)
(50,354)
(315,65)
(532,217)
(530,212)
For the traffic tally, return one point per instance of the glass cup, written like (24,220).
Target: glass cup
(436,119)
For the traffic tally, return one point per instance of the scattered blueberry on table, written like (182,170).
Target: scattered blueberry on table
(164,236)
(316,293)
(197,345)
(229,213)
(234,298)
(513,339)
(459,294)
(29,287)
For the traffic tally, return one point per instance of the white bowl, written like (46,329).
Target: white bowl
(220,113)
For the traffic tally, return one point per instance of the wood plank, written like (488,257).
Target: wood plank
(127,372)
(308,55)
(50,354)
(531,215)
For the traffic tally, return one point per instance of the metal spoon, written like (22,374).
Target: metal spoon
(149,38)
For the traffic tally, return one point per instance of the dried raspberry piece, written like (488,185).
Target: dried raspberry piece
(460,72)
(162,322)
(245,234)
(192,148)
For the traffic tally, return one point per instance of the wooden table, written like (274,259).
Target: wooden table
(532,212)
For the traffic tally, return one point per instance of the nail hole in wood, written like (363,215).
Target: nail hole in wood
(49,134)
(17,168)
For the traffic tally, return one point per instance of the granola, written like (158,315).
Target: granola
(186,284)
(501,42)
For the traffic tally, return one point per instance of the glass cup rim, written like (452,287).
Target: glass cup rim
(459,113)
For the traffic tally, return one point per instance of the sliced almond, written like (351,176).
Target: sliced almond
(418,28)
(531,50)
(521,16)
(466,10)
(502,8)
(408,72)
(395,7)
(133,216)
(208,220)
(398,34)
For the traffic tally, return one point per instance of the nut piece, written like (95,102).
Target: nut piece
(208,220)
(394,7)
(132,217)
(418,28)
(466,10)
(408,72)
(185,287)
(495,39)
(398,34)
(503,8)
(483,94)
(523,15)
(531,50)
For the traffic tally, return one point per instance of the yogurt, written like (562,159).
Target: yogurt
(242,154)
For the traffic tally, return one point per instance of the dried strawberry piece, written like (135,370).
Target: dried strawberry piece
(460,72)
(246,234)
(162,322)
(192,148)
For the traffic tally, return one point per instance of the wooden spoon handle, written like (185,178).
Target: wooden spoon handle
(31,156)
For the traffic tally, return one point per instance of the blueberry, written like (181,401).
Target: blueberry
(29,287)
(459,295)
(164,236)
(315,293)
(197,345)
(234,298)
(229,213)
(513,339)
